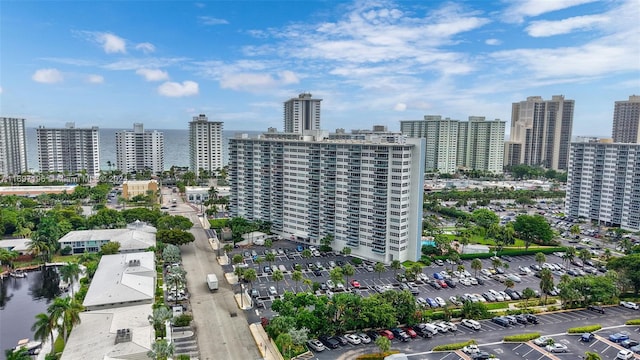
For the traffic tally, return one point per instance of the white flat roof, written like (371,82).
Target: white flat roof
(15,244)
(94,337)
(116,282)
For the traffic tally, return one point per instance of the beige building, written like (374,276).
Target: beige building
(626,121)
(441,141)
(132,188)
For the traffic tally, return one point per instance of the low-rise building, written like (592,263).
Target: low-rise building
(136,237)
(133,188)
(21,246)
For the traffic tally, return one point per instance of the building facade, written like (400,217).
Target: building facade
(13,146)
(301,114)
(540,133)
(133,188)
(441,137)
(69,149)
(626,121)
(604,184)
(481,145)
(366,193)
(140,150)
(205,144)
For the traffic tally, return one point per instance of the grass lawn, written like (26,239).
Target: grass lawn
(478,239)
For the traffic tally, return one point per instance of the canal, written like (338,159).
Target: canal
(21,299)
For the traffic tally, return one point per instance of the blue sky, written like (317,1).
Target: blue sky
(113,63)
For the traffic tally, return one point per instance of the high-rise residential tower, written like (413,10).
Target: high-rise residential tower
(365,192)
(603,184)
(481,144)
(626,121)
(540,133)
(205,145)
(13,146)
(69,149)
(441,141)
(301,113)
(140,150)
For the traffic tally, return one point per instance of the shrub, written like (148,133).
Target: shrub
(633,322)
(584,329)
(182,320)
(183,357)
(521,337)
(454,346)
(377,356)
(356,261)
(66,251)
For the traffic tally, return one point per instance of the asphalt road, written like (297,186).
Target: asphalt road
(222,329)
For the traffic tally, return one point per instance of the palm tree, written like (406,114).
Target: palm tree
(396,265)
(383,343)
(569,254)
(175,278)
(496,262)
(454,258)
(546,283)
(43,328)
(158,318)
(591,356)
(540,258)
(307,282)
(161,350)
(227,249)
(39,247)
(7,257)
(379,268)
(584,255)
(277,277)
(348,270)
(70,273)
(337,275)
(306,253)
(251,275)
(22,354)
(65,313)
(270,257)
(527,294)
(509,284)
(297,277)
(476,265)
(575,230)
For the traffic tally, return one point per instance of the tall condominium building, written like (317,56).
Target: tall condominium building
(366,193)
(441,141)
(69,149)
(140,150)
(205,144)
(540,133)
(13,146)
(481,144)
(301,114)
(626,121)
(604,184)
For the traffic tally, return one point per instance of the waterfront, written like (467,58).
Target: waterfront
(21,299)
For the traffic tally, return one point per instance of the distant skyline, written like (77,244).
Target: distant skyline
(114,63)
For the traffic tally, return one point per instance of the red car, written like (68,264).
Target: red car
(386,333)
(355,284)
(411,333)
(442,284)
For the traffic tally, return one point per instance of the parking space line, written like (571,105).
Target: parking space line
(541,351)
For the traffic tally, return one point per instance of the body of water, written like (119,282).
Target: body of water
(21,299)
(176,147)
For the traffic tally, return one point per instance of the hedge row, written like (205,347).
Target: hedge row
(584,329)
(454,346)
(521,337)
(510,252)
(377,356)
(633,322)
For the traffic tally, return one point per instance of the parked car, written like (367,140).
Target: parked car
(272,290)
(386,333)
(587,337)
(557,348)
(329,342)
(618,337)
(316,345)
(629,343)
(364,338)
(355,283)
(400,334)
(596,308)
(432,302)
(629,305)
(542,340)
(412,334)
(422,331)
(341,339)
(482,355)
(471,324)
(373,335)
(624,355)
(471,349)
(532,318)
(515,278)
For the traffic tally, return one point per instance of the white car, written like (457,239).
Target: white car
(524,270)
(486,272)
(505,295)
(557,348)
(497,295)
(624,355)
(542,340)
(440,301)
(364,338)
(272,290)
(515,278)
(471,324)
(353,339)
(316,345)
(471,349)
(629,305)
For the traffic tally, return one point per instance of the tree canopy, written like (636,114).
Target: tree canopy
(533,228)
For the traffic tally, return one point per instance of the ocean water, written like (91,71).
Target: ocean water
(176,147)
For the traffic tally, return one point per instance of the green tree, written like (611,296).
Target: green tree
(306,254)
(296,276)
(173,222)
(337,275)
(496,263)
(250,275)
(348,270)
(584,255)
(546,283)
(569,254)
(66,313)
(533,228)
(277,277)
(396,265)
(175,278)
(383,343)
(476,311)
(70,274)
(43,328)
(110,248)
(158,318)
(175,237)
(540,258)
(268,243)
(379,268)
(484,218)
(325,243)
(171,254)
(591,356)
(270,257)
(285,343)
(22,354)
(575,230)
(346,251)
(527,294)
(161,350)
(476,265)
(509,284)
(7,257)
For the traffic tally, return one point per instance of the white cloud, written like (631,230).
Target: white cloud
(253,82)
(95,79)
(209,20)
(111,43)
(493,42)
(47,76)
(400,107)
(528,8)
(153,74)
(134,64)
(175,89)
(146,47)
(545,28)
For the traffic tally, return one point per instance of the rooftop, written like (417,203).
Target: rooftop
(18,245)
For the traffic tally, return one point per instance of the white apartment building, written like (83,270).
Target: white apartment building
(365,192)
(205,144)
(301,114)
(69,149)
(441,141)
(626,121)
(140,150)
(13,146)
(481,144)
(604,184)
(540,133)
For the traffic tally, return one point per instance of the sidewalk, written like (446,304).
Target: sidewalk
(265,345)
